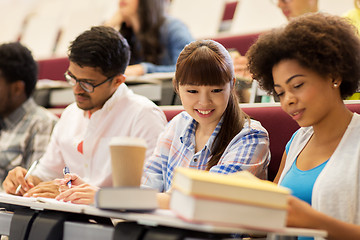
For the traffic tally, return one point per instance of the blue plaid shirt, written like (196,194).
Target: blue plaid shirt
(248,150)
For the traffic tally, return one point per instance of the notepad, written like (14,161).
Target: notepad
(40,203)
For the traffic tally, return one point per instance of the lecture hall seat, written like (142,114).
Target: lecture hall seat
(229,10)
(279,125)
(53,68)
(240,42)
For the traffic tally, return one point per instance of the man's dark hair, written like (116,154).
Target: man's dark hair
(101,47)
(17,63)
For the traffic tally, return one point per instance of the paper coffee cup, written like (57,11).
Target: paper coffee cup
(127,160)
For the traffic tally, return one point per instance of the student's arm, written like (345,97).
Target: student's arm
(281,168)
(49,167)
(115,21)
(153,167)
(301,214)
(39,140)
(177,36)
(249,150)
(135,70)
(156,163)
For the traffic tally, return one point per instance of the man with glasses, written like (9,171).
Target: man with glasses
(104,108)
(295,8)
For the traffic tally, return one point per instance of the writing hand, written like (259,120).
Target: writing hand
(80,194)
(16,177)
(44,189)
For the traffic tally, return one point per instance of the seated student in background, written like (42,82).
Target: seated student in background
(291,9)
(295,8)
(104,108)
(155,38)
(212,134)
(25,127)
(312,65)
(354,15)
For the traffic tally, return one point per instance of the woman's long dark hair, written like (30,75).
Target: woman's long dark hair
(151,17)
(207,63)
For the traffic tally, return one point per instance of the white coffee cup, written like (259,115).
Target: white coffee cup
(127,160)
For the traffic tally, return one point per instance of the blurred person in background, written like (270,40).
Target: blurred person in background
(354,15)
(25,127)
(155,38)
(295,8)
(291,9)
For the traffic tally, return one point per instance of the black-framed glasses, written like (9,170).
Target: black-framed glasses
(88,87)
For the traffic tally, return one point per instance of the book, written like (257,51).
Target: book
(226,213)
(242,187)
(126,198)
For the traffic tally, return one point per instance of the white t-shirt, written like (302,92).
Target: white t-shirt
(124,114)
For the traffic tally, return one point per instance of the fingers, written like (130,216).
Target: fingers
(47,189)
(14,178)
(75,180)
(9,185)
(20,178)
(82,194)
(83,200)
(163,200)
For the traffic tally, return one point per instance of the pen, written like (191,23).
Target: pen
(32,167)
(67,171)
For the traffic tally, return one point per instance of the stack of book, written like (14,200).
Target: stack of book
(126,199)
(238,199)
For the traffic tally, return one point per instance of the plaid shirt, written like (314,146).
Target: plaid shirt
(248,150)
(24,136)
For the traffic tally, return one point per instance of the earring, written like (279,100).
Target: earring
(335,84)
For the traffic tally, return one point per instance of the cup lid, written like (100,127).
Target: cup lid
(127,141)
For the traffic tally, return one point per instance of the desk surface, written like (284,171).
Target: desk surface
(150,78)
(93,231)
(157,218)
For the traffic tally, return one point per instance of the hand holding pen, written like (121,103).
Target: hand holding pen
(31,169)
(67,171)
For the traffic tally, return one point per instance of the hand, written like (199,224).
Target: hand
(163,200)
(80,194)
(240,65)
(44,189)
(300,214)
(75,181)
(15,177)
(134,70)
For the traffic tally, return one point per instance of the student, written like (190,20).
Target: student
(312,64)
(25,127)
(295,8)
(104,108)
(155,38)
(354,15)
(212,133)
